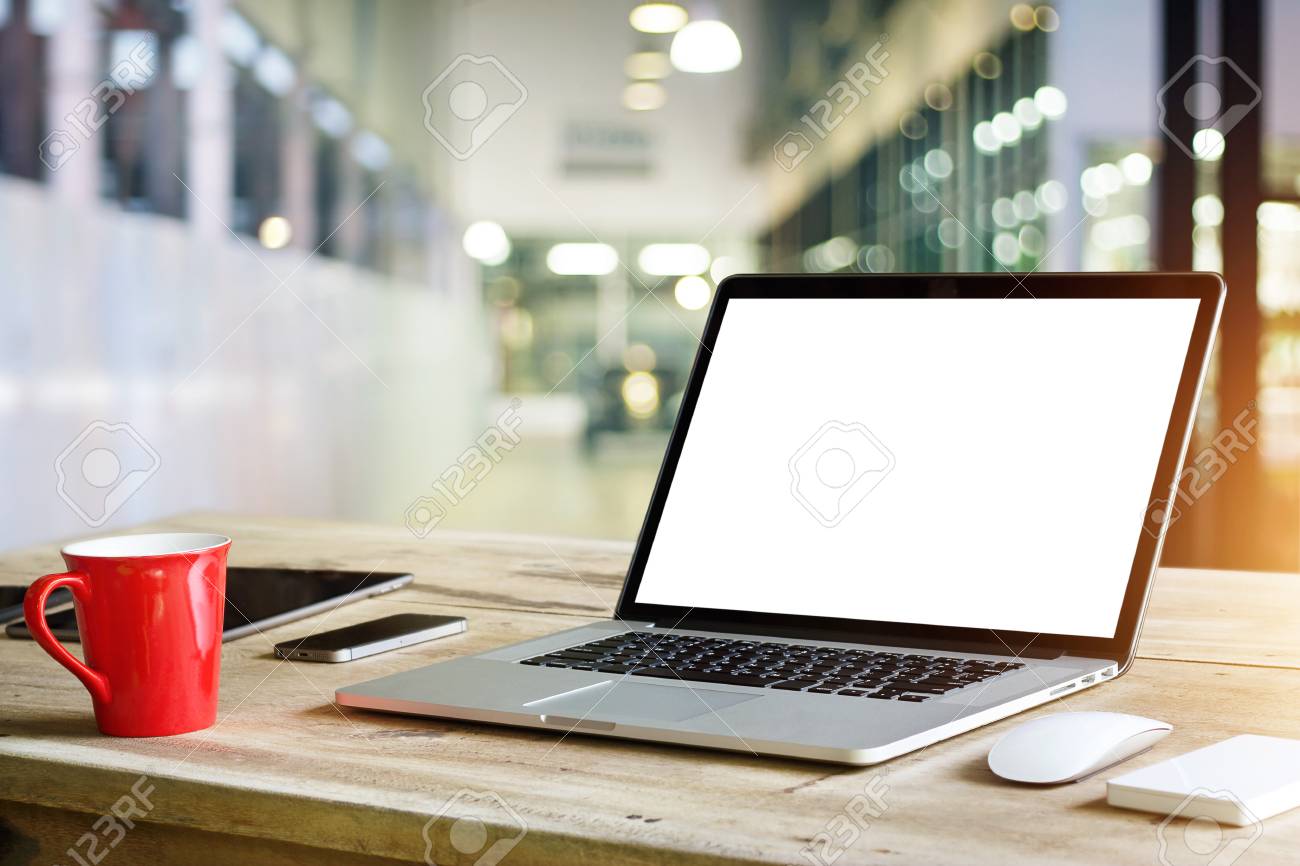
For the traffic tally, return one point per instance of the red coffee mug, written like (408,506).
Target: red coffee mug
(150,610)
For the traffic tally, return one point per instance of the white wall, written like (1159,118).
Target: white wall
(569,55)
(110,316)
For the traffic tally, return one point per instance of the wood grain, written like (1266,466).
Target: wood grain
(284,765)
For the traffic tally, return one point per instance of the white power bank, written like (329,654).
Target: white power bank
(1240,781)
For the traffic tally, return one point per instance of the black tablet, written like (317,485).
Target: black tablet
(262,598)
(11,601)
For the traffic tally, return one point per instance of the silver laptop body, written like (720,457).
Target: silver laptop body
(721,639)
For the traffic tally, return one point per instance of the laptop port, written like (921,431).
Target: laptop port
(1089,679)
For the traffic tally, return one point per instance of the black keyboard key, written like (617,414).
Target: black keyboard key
(727,679)
(914,699)
(614,669)
(719,677)
(823,690)
(578,656)
(851,693)
(536,661)
(791,685)
(665,673)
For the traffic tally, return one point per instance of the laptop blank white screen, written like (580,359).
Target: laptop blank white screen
(966,462)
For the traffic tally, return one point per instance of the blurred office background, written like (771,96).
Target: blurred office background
(297,256)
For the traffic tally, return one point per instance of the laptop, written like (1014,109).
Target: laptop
(893,509)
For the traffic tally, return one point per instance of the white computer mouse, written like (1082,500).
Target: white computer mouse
(1069,746)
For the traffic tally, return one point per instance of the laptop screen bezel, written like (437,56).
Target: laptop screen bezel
(1206,287)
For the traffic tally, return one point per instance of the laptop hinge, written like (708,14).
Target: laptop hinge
(983,647)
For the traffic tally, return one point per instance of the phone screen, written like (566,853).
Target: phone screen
(370,632)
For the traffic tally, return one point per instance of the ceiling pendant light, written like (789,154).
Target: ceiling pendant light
(705,46)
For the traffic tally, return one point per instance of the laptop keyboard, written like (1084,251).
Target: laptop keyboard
(857,673)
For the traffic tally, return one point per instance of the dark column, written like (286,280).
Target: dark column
(1188,541)
(22,59)
(1241,506)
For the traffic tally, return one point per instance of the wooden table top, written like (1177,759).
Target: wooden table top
(1219,657)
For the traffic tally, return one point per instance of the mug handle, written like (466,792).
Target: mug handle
(34,612)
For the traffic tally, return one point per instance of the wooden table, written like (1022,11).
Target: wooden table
(288,777)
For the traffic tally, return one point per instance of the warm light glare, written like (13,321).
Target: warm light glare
(1119,232)
(938,97)
(274,233)
(581,259)
(673,260)
(705,46)
(1137,168)
(641,394)
(1279,216)
(1207,210)
(835,254)
(1110,178)
(487,242)
(658,17)
(692,292)
(516,329)
(644,96)
(1208,144)
(647,65)
(639,358)
(1022,16)
(987,65)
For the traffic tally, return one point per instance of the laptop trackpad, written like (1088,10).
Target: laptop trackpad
(623,700)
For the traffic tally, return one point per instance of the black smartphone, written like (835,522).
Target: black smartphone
(370,638)
(11,601)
